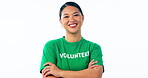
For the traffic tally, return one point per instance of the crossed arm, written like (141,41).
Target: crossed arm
(93,71)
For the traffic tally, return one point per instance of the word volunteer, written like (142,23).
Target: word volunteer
(72,56)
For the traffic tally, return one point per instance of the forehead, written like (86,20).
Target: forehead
(70,10)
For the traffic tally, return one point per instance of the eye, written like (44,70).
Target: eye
(76,15)
(66,16)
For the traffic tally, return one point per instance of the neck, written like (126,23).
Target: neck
(73,37)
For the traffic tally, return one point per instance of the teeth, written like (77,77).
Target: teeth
(73,25)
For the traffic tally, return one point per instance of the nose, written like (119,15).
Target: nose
(71,20)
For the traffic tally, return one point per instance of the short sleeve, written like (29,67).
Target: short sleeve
(48,56)
(96,54)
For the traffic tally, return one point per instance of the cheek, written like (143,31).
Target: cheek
(79,19)
(63,22)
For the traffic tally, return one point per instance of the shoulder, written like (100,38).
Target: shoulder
(92,44)
(53,42)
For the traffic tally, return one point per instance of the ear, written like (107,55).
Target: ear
(60,21)
(83,17)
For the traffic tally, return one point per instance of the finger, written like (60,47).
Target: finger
(45,70)
(94,62)
(91,60)
(94,66)
(47,67)
(47,74)
(90,63)
(48,63)
(44,76)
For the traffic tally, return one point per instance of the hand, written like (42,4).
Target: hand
(44,71)
(91,64)
(52,69)
(51,77)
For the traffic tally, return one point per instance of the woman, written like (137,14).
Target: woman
(71,56)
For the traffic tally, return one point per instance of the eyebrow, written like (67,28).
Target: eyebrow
(76,12)
(67,13)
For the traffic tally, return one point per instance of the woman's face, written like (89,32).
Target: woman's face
(71,19)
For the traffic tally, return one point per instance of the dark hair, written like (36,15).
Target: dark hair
(70,4)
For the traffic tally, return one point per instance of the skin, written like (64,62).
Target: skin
(56,72)
(72,16)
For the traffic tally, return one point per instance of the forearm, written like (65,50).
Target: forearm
(51,77)
(96,72)
(87,73)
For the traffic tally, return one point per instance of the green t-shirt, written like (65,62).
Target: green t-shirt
(73,56)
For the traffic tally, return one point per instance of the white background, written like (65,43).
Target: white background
(118,26)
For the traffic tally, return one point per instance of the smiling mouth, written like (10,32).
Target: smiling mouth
(73,25)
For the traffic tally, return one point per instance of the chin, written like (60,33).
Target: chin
(72,32)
